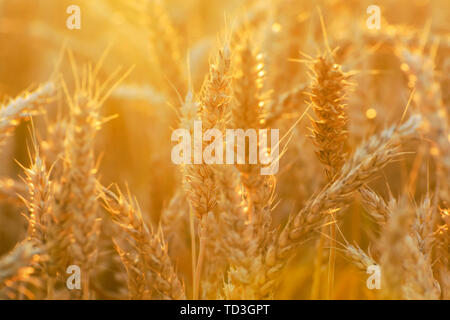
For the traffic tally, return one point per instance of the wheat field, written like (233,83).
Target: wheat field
(93,207)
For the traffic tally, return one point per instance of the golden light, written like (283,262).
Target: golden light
(434,151)
(371,113)
(276,27)
(404,67)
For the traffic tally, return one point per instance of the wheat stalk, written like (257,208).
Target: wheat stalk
(329,134)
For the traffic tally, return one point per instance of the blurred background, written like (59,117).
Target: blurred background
(161,38)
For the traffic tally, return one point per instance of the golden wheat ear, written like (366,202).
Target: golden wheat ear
(23,106)
(149,248)
(367,160)
(16,271)
(79,203)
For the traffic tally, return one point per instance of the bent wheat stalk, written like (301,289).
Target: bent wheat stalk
(367,160)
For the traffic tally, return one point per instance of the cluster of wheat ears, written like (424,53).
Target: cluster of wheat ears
(364,164)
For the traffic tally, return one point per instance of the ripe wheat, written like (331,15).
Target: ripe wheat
(363,168)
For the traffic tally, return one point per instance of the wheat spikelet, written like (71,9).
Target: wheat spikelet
(242,247)
(366,161)
(215,99)
(420,70)
(358,257)
(152,258)
(238,238)
(329,131)
(174,221)
(405,249)
(198,180)
(423,227)
(83,205)
(81,167)
(22,107)
(39,203)
(249,112)
(52,148)
(215,94)
(46,229)
(406,272)
(285,104)
(16,270)
(375,205)
(246,226)
(38,200)
(211,271)
(136,274)
(59,230)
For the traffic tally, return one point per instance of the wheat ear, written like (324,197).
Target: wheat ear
(367,160)
(198,179)
(420,69)
(85,121)
(152,259)
(329,134)
(22,107)
(16,269)
(246,224)
(406,272)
